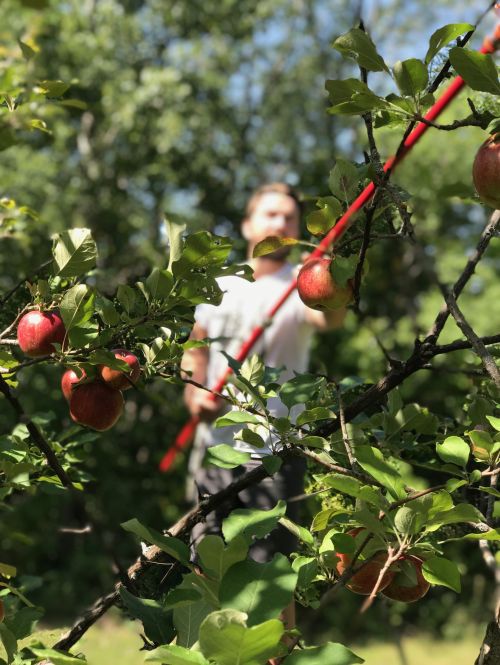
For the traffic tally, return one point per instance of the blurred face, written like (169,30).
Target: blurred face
(274,214)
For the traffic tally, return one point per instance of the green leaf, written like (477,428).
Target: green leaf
(27,51)
(271,244)
(343,268)
(156,620)
(253,370)
(216,558)
(438,570)
(315,414)
(201,250)
(74,252)
(261,590)
(453,450)
(411,76)
(9,641)
(494,422)
(106,310)
(159,284)
(57,657)
(7,570)
(344,180)
(332,653)
(352,487)
(173,546)
(188,619)
(272,464)
(77,306)
(444,36)
(477,69)
(462,512)
(175,230)
(482,445)
(250,522)
(225,456)
(298,531)
(300,389)
(352,97)
(173,654)
(235,418)
(492,534)
(356,44)
(226,640)
(53,88)
(126,297)
(306,569)
(319,222)
(373,462)
(252,438)
(314,442)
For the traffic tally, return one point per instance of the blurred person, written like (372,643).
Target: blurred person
(272,210)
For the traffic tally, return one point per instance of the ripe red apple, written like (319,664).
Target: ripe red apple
(121,380)
(69,379)
(364,581)
(96,405)
(37,331)
(486,171)
(317,288)
(403,586)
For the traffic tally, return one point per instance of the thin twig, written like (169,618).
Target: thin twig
(479,348)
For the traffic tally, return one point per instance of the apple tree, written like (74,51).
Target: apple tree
(398,485)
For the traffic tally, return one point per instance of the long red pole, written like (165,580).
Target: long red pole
(186,434)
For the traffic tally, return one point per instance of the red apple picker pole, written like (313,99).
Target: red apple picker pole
(185,436)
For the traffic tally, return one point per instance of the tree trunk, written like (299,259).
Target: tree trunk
(490,648)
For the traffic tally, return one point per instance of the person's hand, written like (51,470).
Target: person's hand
(202,405)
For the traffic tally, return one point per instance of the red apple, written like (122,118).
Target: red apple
(317,288)
(96,405)
(69,379)
(486,171)
(121,380)
(37,331)
(403,586)
(364,581)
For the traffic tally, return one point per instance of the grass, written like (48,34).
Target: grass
(113,641)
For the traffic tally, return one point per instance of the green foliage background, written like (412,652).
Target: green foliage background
(185,107)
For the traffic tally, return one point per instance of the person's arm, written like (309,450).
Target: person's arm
(199,401)
(328,320)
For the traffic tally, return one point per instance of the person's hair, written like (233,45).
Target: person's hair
(273,188)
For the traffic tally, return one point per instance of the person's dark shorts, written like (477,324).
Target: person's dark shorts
(288,482)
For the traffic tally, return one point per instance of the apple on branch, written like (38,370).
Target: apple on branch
(118,379)
(69,379)
(37,331)
(317,288)
(408,585)
(96,405)
(486,171)
(364,581)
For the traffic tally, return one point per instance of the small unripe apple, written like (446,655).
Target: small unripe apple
(121,380)
(403,586)
(37,331)
(317,288)
(486,171)
(69,379)
(96,405)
